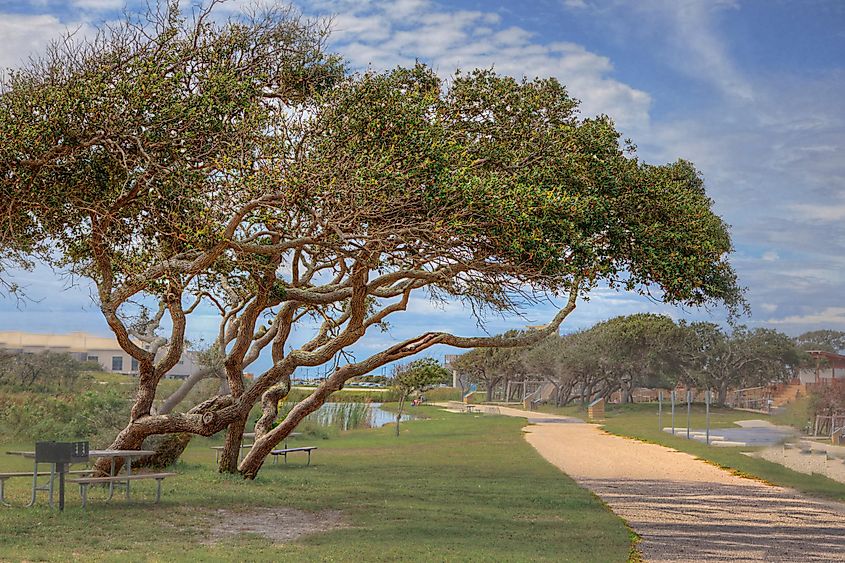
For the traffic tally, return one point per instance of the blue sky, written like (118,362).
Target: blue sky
(752,92)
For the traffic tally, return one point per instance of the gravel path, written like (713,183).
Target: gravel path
(685,509)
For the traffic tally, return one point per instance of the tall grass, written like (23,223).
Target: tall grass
(349,395)
(331,417)
(344,416)
(439,394)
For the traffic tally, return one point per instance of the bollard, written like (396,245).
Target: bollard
(660,410)
(673,412)
(689,402)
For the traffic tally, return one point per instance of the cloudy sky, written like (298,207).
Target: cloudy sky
(752,92)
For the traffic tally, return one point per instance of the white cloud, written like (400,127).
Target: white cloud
(99,5)
(821,212)
(696,47)
(770,256)
(575,4)
(830,316)
(382,34)
(26,35)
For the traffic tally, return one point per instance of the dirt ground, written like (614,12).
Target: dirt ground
(281,524)
(685,509)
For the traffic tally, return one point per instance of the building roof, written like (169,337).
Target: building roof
(836,359)
(71,342)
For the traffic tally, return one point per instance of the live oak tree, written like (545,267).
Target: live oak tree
(636,350)
(824,340)
(717,359)
(490,366)
(183,159)
(415,377)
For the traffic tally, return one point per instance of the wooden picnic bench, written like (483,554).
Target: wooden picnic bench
(84,483)
(284,452)
(4,476)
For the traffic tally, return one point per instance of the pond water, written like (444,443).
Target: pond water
(354,415)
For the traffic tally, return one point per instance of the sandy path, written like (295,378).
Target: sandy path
(685,509)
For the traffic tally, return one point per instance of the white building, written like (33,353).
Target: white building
(88,347)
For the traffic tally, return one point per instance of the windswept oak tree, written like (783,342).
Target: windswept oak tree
(714,358)
(179,158)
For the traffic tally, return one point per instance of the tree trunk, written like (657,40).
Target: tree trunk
(399,412)
(723,394)
(168,449)
(130,438)
(231,453)
(133,435)
(179,395)
(251,464)
(270,407)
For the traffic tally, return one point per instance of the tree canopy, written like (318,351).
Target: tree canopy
(238,164)
(642,350)
(416,377)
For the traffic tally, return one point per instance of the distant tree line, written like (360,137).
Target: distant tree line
(647,350)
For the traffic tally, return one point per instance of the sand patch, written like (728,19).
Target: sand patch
(280,524)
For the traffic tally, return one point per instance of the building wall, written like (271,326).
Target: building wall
(88,347)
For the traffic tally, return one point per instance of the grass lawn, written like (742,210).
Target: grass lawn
(640,421)
(451,488)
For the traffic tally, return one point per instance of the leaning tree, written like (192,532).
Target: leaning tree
(182,159)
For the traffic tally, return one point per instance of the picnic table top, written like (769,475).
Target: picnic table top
(96,453)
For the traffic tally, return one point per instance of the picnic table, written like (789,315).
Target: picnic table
(113,455)
(251,435)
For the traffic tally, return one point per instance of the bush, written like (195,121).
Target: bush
(828,399)
(95,416)
(45,372)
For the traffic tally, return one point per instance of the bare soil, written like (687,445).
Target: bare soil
(280,524)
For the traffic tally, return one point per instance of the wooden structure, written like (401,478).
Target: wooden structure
(827,425)
(595,411)
(829,366)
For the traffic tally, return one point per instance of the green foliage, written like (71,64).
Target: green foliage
(642,350)
(139,145)
(714,358)
(94,415)
(441,394)
(505,172)
(824,340)
(46,371)
(419,375)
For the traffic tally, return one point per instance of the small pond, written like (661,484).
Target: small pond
(347,416)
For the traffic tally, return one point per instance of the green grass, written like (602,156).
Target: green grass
(798,414)
(640,421)
(451,488)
